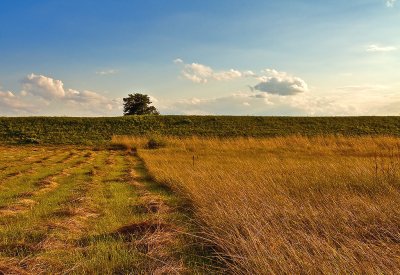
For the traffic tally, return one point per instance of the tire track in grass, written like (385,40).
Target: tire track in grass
(182,250)
(41,222)
(157,235)
(25,200)
(160,234)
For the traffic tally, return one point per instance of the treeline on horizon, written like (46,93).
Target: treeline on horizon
(85,130)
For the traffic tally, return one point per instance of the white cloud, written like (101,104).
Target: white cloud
(43,86)
(199,73)
(390,3)
(378,48)
(227,75)
(280,83)
(91,101)
(270,81)
(12,104)
(43,94)
(108,72)
(249,74)
(178,61)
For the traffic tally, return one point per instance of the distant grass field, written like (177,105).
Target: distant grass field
(64,130)
(289,205)
(73,210)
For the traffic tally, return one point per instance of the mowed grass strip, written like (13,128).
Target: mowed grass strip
(102,248)
(24,237)
(37,177)
(92,212)
(16,166)
(11,155)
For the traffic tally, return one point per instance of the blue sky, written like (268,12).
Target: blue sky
(79,58)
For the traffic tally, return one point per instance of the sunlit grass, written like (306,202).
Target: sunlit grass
(289,204)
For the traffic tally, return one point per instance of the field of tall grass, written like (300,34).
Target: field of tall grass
(288,204)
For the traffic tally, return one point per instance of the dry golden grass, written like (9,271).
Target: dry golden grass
(289,204)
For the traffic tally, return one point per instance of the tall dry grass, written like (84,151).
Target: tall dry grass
(290,204)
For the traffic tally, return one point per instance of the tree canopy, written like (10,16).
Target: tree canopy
(138,104)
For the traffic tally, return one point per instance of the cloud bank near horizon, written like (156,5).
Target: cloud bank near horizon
(41,94)
(274,93)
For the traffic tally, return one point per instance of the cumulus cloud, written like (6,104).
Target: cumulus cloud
(199,73)
(107,72)
(46,95)
(280,83)
(43,86)
(378,48)
(390,3)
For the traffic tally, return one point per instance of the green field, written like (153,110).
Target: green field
(100,196)
(65,130)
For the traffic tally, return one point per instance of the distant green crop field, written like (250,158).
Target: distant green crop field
(76,130)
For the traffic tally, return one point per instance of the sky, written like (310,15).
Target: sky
(200,57)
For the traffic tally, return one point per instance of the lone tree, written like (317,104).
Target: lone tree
(138,104)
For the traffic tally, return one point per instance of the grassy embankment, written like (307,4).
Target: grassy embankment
(63,130)
(289,204)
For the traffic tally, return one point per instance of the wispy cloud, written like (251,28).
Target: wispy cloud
(363,88)
(378,48)
(178,61)
(107,72)
(390,3)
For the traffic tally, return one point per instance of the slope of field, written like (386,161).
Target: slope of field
(78,211)
(63,130)
(294,205)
